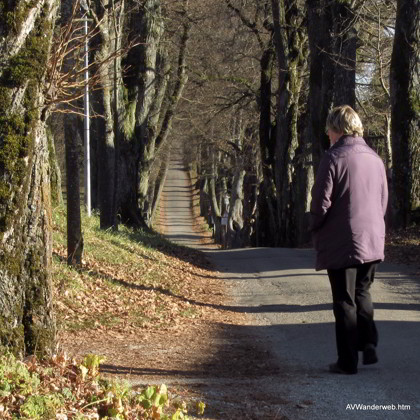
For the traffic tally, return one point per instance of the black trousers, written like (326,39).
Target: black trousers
(353,311)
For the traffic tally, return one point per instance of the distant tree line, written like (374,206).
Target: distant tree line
(243,86)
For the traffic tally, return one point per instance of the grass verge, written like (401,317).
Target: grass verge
(128,279)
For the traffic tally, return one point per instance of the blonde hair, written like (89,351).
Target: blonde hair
(344,119)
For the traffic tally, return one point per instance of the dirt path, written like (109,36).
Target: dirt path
(272,363)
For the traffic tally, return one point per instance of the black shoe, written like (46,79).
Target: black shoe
(369,355)
(334,368)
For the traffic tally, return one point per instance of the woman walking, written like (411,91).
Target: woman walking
(349,200)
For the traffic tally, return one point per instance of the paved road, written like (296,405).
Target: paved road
(290,305)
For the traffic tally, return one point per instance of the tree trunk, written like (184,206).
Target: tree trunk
(73,153)
(346,42)
(203,183)
(74,219)
(250,208)
(388,144)
(159,184)
(109,17)
(128,162)
(157,137)
(236,220)
(291,59)
(205,209)
(235,225)
(141,82)
(27,322)
(328,77)
(405,110)
(55,173)
(148,147)
(267,220)
(149,107)
(214,202)
(319,29)
(303,179)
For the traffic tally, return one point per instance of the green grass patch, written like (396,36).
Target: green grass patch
(59,387)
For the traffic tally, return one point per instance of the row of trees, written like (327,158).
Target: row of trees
(267,80)
(137,69)
(262,76)
(139,52)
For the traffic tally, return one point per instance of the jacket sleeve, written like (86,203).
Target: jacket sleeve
(384,191)
(322,192)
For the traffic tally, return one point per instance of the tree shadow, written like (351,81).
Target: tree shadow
(246,309)
(160,243)
(279,366)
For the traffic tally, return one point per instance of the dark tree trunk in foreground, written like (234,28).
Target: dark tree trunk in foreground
(405,111)
(26,314)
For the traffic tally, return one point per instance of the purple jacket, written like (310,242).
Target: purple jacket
(349,200)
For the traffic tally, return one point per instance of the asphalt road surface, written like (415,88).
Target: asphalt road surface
(291,310)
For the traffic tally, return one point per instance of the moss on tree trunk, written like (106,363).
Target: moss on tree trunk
(27,322)
(291,152)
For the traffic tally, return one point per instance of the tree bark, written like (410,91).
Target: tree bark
(250,208)
(159,184)
(74,219)
(267,220)
(148,147)
(291,60)
(55,173)
(236,220)
(216,210)
(235,211)
(73,154)
(27,323)
(146,26)
(405,110)
(160,119)
(346,42)
(109,18)
(320,80)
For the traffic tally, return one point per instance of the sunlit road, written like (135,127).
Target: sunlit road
(291,311)
(177,203)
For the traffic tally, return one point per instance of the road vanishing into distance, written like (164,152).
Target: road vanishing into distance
(290,306)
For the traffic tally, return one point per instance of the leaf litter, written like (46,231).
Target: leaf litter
(156,312)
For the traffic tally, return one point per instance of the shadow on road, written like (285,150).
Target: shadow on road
(290,353)
(239,364)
